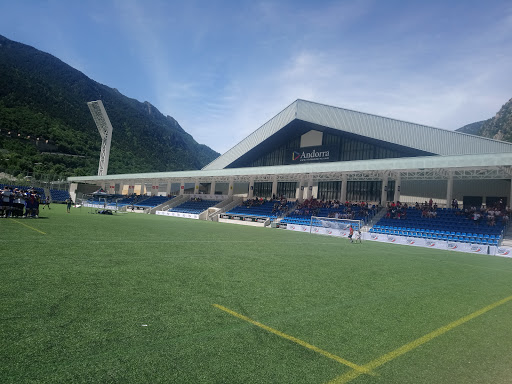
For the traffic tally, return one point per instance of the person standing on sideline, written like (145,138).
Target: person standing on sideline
(351,233)
(68,204)
(47,202)
(359,236)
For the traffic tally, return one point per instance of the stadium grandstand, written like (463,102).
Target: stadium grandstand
(325,161)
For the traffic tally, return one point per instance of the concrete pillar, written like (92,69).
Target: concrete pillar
(251,188)
(384,192)
(212,188)
(449,191)
(344,182)
(182,187)
(274,186)
(103,186)
(121,187)
(309,191)
(168,188)
(300,191)
(72,191)
(154,188)
(131,187)
(196,186)
(230,189)
(509,202)
(142,184)
(398,181)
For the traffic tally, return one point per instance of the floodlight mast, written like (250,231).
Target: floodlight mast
(105,128)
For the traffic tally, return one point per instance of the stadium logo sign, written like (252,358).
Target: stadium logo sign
(391,239)
(292,226)
(430,243)
(314,154)
(503,251)
(373,236)
(304,228)
(410,241)
(452,246)
(317,230)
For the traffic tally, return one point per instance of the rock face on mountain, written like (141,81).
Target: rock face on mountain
(499,127)
(46,127)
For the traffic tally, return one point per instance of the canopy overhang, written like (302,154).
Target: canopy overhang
(468,167)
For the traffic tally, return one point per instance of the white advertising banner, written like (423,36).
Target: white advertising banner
(178,214)
(437,244)
(455,246)
(209,197)
(414,241)
(477,248)
(378,237)
(500,251)
(100,206)
(329,231)
(403,240)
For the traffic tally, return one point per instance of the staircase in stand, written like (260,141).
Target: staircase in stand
(507,238)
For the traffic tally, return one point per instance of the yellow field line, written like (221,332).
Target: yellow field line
(345,378)
(28,226)
(360,370)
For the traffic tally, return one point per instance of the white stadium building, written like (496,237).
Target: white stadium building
(310,150)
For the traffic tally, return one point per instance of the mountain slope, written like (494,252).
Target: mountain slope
(499,127)
(46,126)
(472,128)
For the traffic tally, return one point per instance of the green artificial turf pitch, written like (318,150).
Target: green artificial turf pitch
(129,298)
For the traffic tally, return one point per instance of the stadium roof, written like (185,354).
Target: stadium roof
(423,138)
(445,152)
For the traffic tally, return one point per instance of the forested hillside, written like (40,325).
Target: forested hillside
(46,126)
(498,127)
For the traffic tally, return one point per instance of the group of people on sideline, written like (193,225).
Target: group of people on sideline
(20,203)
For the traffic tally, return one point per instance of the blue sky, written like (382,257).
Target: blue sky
(223,68)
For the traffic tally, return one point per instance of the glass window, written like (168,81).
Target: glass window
(263,189)
(329,190)
(287,189)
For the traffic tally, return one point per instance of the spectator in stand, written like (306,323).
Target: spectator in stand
(476,218)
